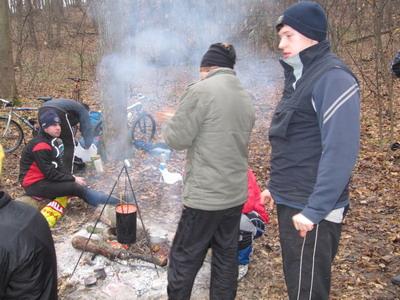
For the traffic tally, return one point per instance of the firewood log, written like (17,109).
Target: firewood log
(102,248)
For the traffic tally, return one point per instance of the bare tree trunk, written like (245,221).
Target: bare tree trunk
(12,6)
(57,18)
(387,74)
(20,31)
(114,85)
(31,24)
(7,78)
(49,29)
(378,14)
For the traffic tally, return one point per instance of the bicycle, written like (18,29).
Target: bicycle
(11,133)
(141,124)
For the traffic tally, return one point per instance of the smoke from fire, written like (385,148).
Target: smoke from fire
(147,44)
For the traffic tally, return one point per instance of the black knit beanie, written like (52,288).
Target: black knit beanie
(306,17)
(219,55)
(48,118)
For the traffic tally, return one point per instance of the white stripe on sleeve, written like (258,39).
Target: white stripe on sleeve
(339,99)
(339,102)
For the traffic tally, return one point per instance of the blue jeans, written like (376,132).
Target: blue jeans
(244,255)
(95,198)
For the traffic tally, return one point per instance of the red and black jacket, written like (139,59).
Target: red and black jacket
(253,202)
(41,160)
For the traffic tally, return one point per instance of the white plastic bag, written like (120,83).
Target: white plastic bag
(170,178)
(85,154)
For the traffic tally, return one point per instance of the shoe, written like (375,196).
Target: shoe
(242,271)
(396,280)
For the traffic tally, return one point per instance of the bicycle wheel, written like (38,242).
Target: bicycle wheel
(10,137)
(144,128)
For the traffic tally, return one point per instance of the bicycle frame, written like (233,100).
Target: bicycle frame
(136,108)
(24,120)
(12,112)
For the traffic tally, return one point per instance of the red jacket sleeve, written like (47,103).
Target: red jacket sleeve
(253,202)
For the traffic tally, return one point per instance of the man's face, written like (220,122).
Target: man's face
(293,42)
(53,130)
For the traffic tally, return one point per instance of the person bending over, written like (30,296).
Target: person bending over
(70,113)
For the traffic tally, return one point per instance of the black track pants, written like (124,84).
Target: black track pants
(197,231)
(307,261)
(50,190)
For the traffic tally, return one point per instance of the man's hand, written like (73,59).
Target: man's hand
(266,199)
(80,180)
(164,115)
(302,224)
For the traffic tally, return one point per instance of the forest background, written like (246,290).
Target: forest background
(46,41)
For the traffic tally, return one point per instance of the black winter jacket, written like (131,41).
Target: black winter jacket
(28,267)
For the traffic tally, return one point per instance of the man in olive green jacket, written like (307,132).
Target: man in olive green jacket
(213,122)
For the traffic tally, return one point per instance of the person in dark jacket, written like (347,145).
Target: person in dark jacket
(314,136)
(28,267)
(71,113)
(42,173)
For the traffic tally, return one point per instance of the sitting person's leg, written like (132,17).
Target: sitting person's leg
(251,227)
(245,247)
(95,198)
(51,190)
(247,233)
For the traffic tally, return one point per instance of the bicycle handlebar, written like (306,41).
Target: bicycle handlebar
(76,79)
(135,106)
(6,103)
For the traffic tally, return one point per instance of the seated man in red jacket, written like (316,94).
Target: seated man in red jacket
(252,223)
(42,173)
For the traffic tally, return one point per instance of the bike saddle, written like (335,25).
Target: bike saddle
(44,98)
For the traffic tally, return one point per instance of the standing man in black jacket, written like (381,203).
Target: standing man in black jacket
(70,113)
(28,266)
(314,136)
